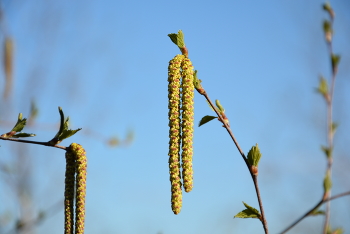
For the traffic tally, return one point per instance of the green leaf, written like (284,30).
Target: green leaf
(334,127)
(327,7)
(323,86)
(327,26)
(34,111)
(22,134)
(178,39)
(338,231)
(250,212)
(335,60)
(197,83)
(327,151)
(219,106)
(317,212)
(67,132)
(327,183)
(20,124)
(254,155)
(206,119)
(63,132)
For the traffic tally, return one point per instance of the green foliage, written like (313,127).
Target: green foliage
(327,183)
(317,212)
(334,127)
(327,151)
(63,132)
(178,39)
(335,60)
(22,134)
(323,87)
(219,106)
(20,124)
(254,155)
(206,119)
(250,212)
(327,26)
(34,111)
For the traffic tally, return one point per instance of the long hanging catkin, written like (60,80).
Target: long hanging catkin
(187,123)
(174,76)
(69,193)
(81,166)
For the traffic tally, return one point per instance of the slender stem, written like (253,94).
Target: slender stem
(314,208)
(254,177)
(32,142)
(330,132)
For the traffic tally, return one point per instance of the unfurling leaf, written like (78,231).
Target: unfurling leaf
(254,156)
(250,212)
(63,132)
(334,127)
(197,83)
(33,111)
(178,39)
(206,119)
(22,134)
(335,61)
(219,106)
(323,87)
(327,183)
(338,231)
(20,124)
(317,212)
(327,151)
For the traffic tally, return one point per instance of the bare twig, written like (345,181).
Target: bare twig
(33,142)
(314,208)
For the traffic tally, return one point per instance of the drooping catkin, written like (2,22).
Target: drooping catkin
(81,165)
(69,193)
(174,76)
(187,123)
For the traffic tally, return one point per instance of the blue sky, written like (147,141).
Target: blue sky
(105,63)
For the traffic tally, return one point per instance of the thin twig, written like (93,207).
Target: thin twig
(254,177)
(32,142)
(314,208)
(330,130)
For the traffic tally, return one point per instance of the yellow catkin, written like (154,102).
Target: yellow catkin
(69,193)
(81,165)
(174,77)
(187,123)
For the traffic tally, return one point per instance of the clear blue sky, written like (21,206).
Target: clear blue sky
(105,63)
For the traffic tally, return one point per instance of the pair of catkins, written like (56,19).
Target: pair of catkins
(180,95)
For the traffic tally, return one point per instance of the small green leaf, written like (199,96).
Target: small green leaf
(335,60)
(34,111)
(206,119)
(22,134)
(219,106)
(317,212)
(323,86)
(327,151)
(20,124)
(338,231)
(197,83)
(250,212)
(334,127)
(178,39)
(254,155)
(63,132)
(327,183)
(326,6)
(327,26)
